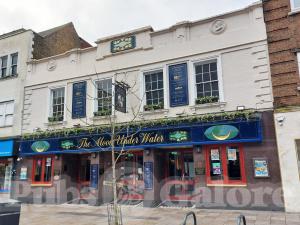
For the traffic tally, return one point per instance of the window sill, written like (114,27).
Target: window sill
(95,118)
(41,185)
(208,105)
(226,185)
(154,112)
(49,124)
(6,126)
(9,77)
(294,12)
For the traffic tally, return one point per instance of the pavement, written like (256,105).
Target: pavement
(72,214)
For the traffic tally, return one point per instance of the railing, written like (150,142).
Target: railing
(241,220)
(189,214)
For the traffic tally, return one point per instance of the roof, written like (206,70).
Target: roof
(53,30)
(14,32)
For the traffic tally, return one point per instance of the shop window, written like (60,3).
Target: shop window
(104,97)
(207,83)
(225,165)
(6,113)
(42,170)
(154,90)
(3,61)
(14,64)
(295,4)
(58,104)
(298,59)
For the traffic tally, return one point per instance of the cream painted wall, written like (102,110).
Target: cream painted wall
(13,88)
(286,135)
(242,58)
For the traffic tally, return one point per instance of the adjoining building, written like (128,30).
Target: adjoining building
(200,100)
(282,22)
(16,49)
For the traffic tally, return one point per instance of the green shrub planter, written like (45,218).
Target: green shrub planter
(207,99)
(153,107)
(103,113)
(55,119)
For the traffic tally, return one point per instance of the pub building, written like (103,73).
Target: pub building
(204,130)
(162,164)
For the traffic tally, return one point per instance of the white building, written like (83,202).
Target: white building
(215,65)
(15,52)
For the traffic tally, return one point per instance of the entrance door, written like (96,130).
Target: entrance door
(131,176)
(5,176)
(180,174)
(84,176)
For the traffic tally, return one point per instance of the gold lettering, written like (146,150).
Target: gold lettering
(84,143)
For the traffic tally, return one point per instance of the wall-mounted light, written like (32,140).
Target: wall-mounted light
(94,155)
(280,120)
(240,108)
(37,129)
(198,149)
(19,159)
(147,151)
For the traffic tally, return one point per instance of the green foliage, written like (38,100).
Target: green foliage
(104,112)
(137,125)
(154,107)
(55,119)
(207,99)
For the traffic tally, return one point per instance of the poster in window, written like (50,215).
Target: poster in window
(231,154)
(148,175)
(94,175)
(48,162)
(23,173)
(261,168)
(216,167)
(214,155)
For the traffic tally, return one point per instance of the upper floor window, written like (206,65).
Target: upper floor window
(57,104)
(14,63)
(207,83)
(6,113)
(154,90)
(295,4)
(104,97)
(3,60)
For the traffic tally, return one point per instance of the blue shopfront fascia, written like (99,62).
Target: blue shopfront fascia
(6,148)
(249,131)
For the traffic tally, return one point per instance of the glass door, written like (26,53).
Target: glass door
(131,176)
(5,176)
(180,174)
(84,176)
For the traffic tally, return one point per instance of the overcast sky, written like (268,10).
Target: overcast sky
(94,19)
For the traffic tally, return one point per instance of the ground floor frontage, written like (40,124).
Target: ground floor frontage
(225,164)
(132,215)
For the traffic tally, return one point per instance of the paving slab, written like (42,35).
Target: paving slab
(72,214)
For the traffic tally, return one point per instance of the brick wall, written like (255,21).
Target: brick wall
(58,41)
(283,31)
